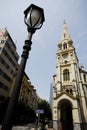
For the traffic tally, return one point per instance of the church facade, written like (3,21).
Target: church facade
(69,87)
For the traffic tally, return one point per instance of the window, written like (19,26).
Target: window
(10,59)
(64,35)
(0,48)
(84,77)
(66,75)
(2,41)
(70,91)
(65,45)
(4,86)
(12,51)
(67,91)
(5,76)
(4,63)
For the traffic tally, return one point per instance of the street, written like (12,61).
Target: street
(26,128)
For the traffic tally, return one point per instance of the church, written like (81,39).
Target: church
(69,87)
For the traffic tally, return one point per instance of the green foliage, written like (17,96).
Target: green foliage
(24,114)
(44,105)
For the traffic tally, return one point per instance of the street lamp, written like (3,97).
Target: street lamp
(34,18)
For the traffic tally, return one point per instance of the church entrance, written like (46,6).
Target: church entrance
(66,115)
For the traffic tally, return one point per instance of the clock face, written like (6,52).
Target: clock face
(65,56)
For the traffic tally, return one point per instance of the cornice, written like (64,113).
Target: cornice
(62,93)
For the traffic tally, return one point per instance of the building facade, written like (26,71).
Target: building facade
(8,62)
(69,88)
(28,94)
(8,71)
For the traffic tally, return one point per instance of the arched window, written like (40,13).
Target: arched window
(65,45)
(84,77)
(66,75)
(67,91)
(70,91)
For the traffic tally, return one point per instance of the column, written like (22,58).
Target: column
(76,120)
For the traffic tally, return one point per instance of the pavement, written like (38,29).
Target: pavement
(26,128)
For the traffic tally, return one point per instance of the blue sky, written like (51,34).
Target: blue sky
(41,64)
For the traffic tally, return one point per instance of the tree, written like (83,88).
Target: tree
(24,114)
(44,105)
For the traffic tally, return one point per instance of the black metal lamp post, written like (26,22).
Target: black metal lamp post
(34,18)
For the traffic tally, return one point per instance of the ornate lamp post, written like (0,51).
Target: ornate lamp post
(34,18)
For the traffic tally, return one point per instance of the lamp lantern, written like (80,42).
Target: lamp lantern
(34,18)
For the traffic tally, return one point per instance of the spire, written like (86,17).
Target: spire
(65,34)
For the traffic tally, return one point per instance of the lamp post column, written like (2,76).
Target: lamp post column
(7,123)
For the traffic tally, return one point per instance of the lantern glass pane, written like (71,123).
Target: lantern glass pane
(34,18)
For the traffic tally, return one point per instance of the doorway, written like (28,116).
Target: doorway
(66,115)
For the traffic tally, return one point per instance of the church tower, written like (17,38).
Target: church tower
(69,87)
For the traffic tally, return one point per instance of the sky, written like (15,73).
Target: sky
(41,64)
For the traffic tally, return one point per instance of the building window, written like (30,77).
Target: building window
(84,76)
(4,63)
(64,35)
(0,48)
(9,58)
(3,86)
(70,91)
(11,50)
(65,46)
(66,75)
(67,91)
(3,74)
(2,41)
